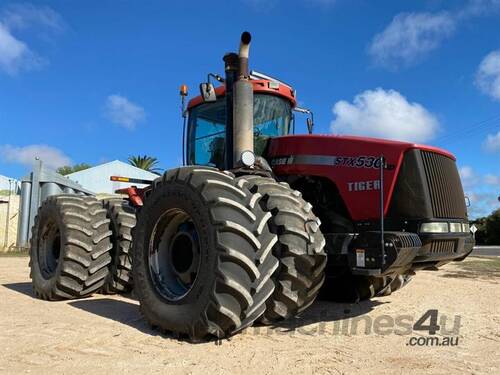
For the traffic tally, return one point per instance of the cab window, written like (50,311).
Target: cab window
(206,134)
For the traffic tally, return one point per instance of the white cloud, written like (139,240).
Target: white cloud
(15,54)
(23,16)
(492,142)
(478,8)
(468,176)
(482,203)
(481,191)
(52,157)
(492,179)
(123,112)
(411,36)
(385,114)
(488,75)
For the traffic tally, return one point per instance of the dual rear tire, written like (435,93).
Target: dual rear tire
(355,288)
(212,253)
(122,218)
(203,256)
(69,255)
(256,253)
(300,248)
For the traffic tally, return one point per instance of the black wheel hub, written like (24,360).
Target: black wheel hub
(174,255)
(49,249)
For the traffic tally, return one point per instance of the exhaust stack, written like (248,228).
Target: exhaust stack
(243,108)
(243,54)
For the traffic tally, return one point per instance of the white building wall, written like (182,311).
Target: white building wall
(4,183)
(97,179)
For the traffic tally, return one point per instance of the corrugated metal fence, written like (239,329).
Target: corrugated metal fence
(35,188)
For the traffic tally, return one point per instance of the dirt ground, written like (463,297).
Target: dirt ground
(107,334)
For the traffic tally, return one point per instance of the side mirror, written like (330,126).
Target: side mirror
(207,92)
(310,125)
(310,119)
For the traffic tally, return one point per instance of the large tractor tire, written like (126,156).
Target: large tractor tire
(70,246)
(397,283)
(340,285)
(122,217)
(350,288)
(356,288)
(202,254)
(300,248)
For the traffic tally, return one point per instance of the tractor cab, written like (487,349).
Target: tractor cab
(273,105)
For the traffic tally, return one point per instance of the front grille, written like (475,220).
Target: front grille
(445,188)
(442,247)
(409,239)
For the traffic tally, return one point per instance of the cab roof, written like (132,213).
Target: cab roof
(262,86)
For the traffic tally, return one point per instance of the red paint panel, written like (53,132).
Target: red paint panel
(259,86)
(135,195)
(362,205)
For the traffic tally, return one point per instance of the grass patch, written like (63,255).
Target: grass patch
(5,192)
(14,252)
(481,264)
(473,268)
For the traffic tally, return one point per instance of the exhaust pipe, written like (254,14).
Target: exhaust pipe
(243,54)
(243,109)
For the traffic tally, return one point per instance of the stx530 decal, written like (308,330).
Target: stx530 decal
(362,161)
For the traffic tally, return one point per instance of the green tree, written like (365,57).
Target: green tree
(488,229)
(75,168)
(480,235)
(493,228)
(148,163)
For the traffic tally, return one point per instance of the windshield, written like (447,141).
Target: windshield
(206,135)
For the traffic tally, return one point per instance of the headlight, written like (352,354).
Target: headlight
(455,227)
(248,158)
(434,228)
(465,227)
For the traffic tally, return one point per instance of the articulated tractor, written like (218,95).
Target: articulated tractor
(259,221)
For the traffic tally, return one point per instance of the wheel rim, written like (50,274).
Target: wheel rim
(174,255)
(49,250)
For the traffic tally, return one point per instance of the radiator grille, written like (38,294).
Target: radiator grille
(445,188)
(409,240)
(442,247)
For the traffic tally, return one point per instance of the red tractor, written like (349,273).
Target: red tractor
(259,221)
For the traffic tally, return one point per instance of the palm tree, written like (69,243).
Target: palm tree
(75,168)
(148,163)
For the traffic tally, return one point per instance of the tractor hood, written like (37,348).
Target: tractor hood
(353,165)
(338,145)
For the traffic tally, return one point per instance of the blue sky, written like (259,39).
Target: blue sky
(96,81)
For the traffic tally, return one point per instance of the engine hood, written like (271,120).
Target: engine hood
(352,163)
(327,144)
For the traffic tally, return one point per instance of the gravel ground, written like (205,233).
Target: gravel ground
(107,334)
